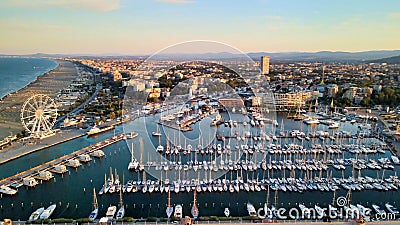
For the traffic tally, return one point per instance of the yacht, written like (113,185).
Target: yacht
(334,125)
(121,210)
(111,211)
(160,148)
(395,159)
(131,135)
(7,190)
(378,209)
(305,212)
(215,121)
(94,213)
(178,211)
(251,210)
(35,215)
(320,211)
(311,121)
(391,209)
(227,212)
(156,133)
(47,213)
(97,130)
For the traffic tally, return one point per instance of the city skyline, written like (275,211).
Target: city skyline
(144,27)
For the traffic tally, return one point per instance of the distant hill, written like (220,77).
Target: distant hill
(327,56)
(279,57)
(388,60)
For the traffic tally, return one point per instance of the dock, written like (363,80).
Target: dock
(49,166)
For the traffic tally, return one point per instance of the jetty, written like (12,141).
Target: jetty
(43,171)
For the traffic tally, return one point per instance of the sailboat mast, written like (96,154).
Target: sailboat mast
(95,205)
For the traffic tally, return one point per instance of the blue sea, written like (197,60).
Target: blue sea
(15,73)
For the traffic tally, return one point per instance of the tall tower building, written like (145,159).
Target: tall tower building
(264,64)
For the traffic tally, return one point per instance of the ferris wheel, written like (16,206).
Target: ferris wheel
(38,115)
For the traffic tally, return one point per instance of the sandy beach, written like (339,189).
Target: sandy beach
(49,83)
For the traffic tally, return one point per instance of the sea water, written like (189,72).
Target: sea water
(15,73)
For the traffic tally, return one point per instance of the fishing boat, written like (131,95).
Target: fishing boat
(121,210)
(47,212)
(35,215)
(251,210)
(95,212)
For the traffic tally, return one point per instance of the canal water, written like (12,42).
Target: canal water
(72,192)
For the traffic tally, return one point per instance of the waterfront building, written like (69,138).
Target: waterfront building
(264,64)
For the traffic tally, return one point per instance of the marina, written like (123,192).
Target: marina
(285,165)
(42,172)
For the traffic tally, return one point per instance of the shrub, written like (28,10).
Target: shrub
(83,220)
(62,220)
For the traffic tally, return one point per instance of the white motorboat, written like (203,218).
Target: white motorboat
(97,130)
(251,210)
(35,215)
(111,211)
(391,209)
(378,209)
(227,212)
(178,211)
(131,135)
(311,121)
(395,159)
(47,212)
(334,125)
(7,190)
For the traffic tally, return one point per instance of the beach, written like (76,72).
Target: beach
(49,83)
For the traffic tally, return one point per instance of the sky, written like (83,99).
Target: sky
(147,26)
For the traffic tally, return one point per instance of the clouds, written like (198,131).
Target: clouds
(94,5)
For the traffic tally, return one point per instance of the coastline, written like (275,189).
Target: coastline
(48,83)
(34,80)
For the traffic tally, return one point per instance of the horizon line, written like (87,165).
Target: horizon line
(194,53)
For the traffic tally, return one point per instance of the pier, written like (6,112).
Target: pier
(16,180)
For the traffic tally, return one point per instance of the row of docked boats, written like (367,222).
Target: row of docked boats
(285,163)
(254,185)
(42,213)
(32,179)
